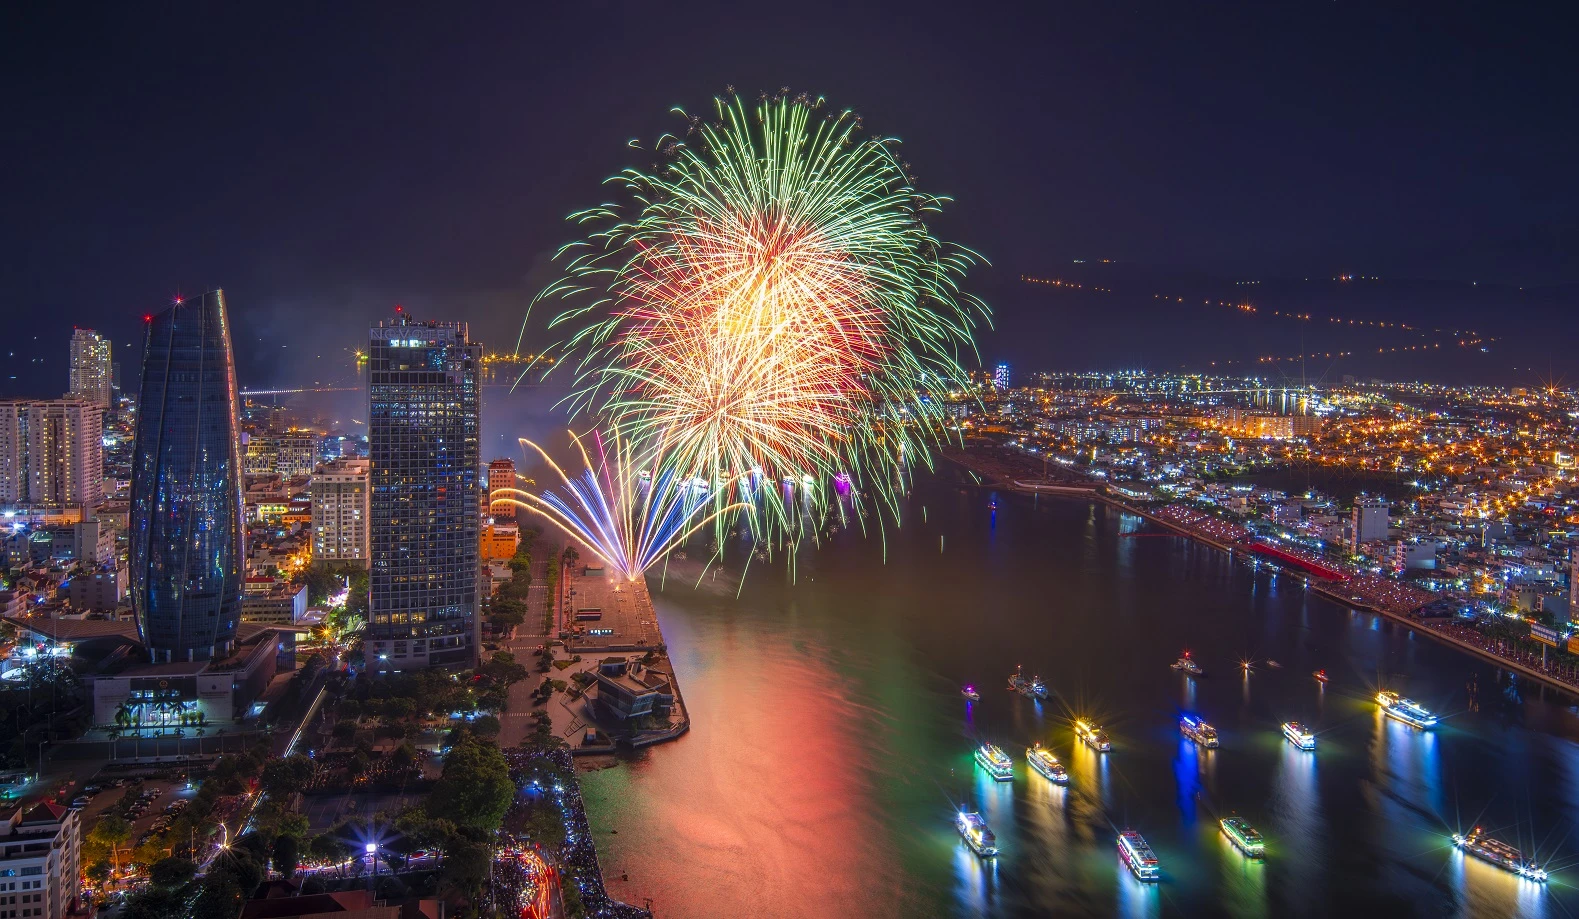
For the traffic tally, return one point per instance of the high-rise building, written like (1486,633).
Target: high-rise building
(1369,519)
(290,455)
(1000,378)
(92,372)
(40,860)
(501,474)
(423,432)
(341,513)
(52,454)
(185,516)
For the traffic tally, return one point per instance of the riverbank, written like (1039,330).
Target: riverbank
(1331,590)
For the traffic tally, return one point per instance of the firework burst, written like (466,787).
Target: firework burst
(767,304)
(627,515)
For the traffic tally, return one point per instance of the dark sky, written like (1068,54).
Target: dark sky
(323,162)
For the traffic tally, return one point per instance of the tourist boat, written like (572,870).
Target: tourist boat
(1198,731)
(1320,675)
(977,835)
(996,762)
(970,693)
(1299,736)
(1187,665)
(1500,854)
(1043,761)
(1031,689)
(1245,837)
(1406,710)
(1132,848)
(1092,736)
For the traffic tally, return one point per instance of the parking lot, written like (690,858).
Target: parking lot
(324,811)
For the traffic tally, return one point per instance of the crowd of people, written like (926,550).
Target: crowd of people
(1388,594)
(1205,524)
(1512,650)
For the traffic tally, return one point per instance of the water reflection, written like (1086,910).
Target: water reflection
(1296,821)
(1243,879)
(1484,890)
(976,887)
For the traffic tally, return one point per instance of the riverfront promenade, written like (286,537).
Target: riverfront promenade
(998,474)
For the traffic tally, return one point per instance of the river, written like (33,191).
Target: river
(831,746)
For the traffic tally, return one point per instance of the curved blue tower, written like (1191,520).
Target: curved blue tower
(186,510)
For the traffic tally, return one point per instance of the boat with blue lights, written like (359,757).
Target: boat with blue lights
(976,833)
(996,762)
(970,693)
(1499,853)
(1033,688)
(1045,763)
(1406,710)
(1135,852)
(1199,731)
(1299,735)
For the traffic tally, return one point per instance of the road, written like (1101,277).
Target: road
(526,637)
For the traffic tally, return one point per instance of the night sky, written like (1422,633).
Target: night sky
(324,162)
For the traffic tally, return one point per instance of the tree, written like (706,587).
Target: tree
(283,777)
(475,789)
(486,726)
(172,872)
(467,866)
(156,903)
(286,855)
(321,583)
(113,832)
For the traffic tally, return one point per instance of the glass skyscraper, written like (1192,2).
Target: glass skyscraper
(185,516)
(423,432)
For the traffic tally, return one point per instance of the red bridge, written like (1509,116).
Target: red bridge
(1299,561)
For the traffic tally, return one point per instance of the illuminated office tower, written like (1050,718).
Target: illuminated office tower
(185,515)
(1000,378)
(423,434)
(92,372)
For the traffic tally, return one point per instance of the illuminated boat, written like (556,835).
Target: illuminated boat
(1187,665)
(1198,731)
(1092,736)
(1299,735)
(1132,848)
(1043,761)
(1320,675)
(970,693)
(1033,688)
(996,762)
(976,833)
(1500,854)
(1406,710)
(1245,837)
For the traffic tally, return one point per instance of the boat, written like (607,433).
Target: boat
(996,762)
(1320,675)
(1092,736)
(1198,731)
(1406,710)
(977,834)
(970,693)
(1033,688)
(1043,761)
(1245,837)
(1187,665)
(1499,853)
(1132,848)
(1274,664)
(1299,735)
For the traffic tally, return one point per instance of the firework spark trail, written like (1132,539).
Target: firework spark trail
(768,299)
(627,516)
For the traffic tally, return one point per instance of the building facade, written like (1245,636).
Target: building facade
(40,861)
(501,474)
(185,519)
(51,453)
(1370,519)
(340,513)
(92,371)
(424,432)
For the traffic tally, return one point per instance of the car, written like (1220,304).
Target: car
(92,790)
(81,801)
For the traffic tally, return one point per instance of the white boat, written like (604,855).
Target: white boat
(1044,762)
(1135,852)
(996,762)
(976,833)
(1198,731)
(1299,735)
(1406,710)
(1092,736)
(1187,665)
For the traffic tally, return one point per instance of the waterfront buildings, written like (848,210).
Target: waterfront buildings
(51,454)
(424,422)
(40,860)
(185,518)
(501,474)
(341,512)
(1369,519)
(92,371)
